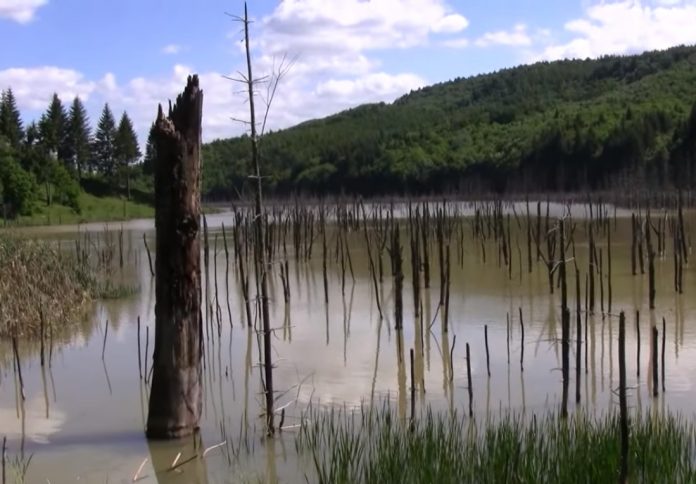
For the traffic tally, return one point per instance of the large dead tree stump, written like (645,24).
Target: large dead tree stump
(175,396)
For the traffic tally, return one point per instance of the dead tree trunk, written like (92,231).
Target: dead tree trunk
(175,398)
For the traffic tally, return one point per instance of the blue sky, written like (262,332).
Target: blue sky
(134,54)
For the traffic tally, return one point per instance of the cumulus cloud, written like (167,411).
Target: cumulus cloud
(33,87)
(335,65)
(21,11)
(627,26)
(355,25)
(298,98)
(517,37)
(371,87)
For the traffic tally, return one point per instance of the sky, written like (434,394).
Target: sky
(135,54)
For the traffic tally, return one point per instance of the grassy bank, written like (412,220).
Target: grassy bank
(375,447)
(93,209)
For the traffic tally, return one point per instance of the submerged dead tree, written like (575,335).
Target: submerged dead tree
(175,397)
(262,242)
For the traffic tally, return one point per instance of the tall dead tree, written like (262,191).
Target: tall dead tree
(175,398)
(261,244)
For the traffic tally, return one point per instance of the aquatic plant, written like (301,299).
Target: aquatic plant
(374,445)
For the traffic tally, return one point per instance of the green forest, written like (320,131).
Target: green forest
(57,159)
(566,125)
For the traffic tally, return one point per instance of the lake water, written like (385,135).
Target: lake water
(83,418)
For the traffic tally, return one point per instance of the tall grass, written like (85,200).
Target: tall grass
(39,282)
(374,446)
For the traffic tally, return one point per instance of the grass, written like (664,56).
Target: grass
(93,209)
(38,281)
(373,446)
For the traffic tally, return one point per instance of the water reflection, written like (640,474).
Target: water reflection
(78,407)
(180,462)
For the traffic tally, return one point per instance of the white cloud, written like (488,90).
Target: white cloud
(299,97)
(308,26)
(336,65)
(171,49)
(517,37)
(371,87)
(33,87)
(21,11)
(627,26)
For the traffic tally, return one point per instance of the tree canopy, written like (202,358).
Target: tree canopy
(49,160)
(565,125)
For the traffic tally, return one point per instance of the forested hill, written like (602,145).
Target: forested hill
(574,124)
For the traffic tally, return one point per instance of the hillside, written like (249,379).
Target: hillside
(553,125)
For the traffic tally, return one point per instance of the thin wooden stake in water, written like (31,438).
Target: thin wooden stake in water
(578,336)
(521,342)
(651,263)
(468,375)
(638,344)
(488,359)
(15,350)
(623,408)
(413,391)
(508,339)
(106,333)
(4,450)
(654,360)
(140,363)
(43,333)
(664,332)
(149,256)
(147,344)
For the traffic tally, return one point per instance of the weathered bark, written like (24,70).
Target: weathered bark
(175,397)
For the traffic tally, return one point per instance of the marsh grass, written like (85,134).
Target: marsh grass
(38,281)
(374,446)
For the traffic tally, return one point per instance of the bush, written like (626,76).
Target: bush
(17,186)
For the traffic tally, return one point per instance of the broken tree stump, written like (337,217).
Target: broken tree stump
(175,397)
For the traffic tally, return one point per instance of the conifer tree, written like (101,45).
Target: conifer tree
(10,120)
(127,149)
(103,146)
(150,152)
(79,138)
(53,129)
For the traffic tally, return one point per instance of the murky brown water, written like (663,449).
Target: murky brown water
(83,417)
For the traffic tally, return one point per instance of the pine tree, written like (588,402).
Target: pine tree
(78,149)
(127,149)
(10,120)
(150,152)
(53,129)
(103,146)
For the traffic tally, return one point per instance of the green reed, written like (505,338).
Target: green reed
(375,446)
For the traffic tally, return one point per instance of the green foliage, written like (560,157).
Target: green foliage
(552,125)
(66,189)
(104,145)
(79,138)
(17,186)
(92,209)
(10,120)
(53,129)
(126,149)
(148,167)
(374,446)
(57,158)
